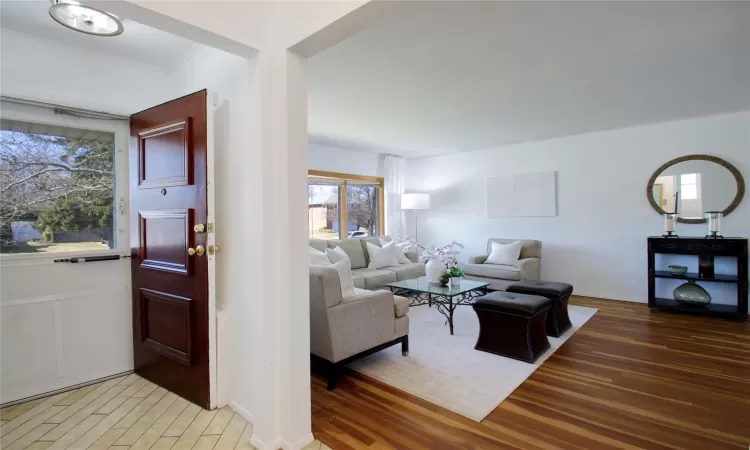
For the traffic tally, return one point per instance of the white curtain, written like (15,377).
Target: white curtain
(395,175)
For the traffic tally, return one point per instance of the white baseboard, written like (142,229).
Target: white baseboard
(245,414)
(260,445)
(66,389)
(241,411)
(299,444)
(275,445)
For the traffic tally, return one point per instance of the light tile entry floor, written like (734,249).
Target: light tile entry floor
(126,413)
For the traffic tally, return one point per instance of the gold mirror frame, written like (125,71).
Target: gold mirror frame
(733,170)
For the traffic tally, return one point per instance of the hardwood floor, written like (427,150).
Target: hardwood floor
(127,413)
(629,378)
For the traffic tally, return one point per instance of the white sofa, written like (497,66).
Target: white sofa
(371,279)
(501,276)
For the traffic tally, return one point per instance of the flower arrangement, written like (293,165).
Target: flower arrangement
(446,255)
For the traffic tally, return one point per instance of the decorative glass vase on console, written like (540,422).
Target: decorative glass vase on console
(692,294)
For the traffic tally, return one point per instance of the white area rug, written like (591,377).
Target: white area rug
(447,371)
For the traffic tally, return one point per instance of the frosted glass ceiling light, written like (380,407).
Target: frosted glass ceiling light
(85,19)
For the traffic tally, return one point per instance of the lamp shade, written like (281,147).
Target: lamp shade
(415,201)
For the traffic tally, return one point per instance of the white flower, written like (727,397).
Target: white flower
(447,255)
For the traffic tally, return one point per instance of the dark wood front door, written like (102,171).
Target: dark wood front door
(171,312)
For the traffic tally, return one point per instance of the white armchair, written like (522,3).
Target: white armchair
(501,276)
(344,329)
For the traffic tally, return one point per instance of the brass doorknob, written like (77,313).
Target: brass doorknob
(212,249)
(199,228)
(199,250)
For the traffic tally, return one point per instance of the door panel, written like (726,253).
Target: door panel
(166,324)
(165,237)
(164,154)
(172,314)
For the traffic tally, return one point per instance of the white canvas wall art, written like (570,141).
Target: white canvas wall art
(522,195)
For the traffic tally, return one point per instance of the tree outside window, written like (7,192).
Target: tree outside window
(56,193)
(362,201)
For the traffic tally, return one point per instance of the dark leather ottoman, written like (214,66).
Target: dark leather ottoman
(558,321)
(512,325)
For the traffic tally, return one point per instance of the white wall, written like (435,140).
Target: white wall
(277,348)
(335,159)
(46,71)
(65,324)
(598,240)
(77,317)
(228,77)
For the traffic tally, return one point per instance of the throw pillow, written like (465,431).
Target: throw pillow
(353,249)
(344,268)
(403,249)
(400,256)
(318,258)
(337,254)
(505,254)
(384,256)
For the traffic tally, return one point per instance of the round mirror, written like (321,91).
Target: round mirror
(693,185)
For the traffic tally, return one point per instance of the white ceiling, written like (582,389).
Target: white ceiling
(457,76)
(138,42)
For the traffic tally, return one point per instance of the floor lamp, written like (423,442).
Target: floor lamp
(415,202)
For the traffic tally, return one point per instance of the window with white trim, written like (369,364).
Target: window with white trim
(689,186)
(342,206)
(57,187)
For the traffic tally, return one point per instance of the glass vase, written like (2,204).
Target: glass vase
(713,218)
(692,294)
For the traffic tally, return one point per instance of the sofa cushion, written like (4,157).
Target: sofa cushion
(346,281)
(400,256)
(318,258)
(382,256)
(353,249)
(319,244)
(529,248)
(407,271)
(336,254)
(504,254)
(493,271)
(371,240)
(400,305)
(374,278)
(359,281)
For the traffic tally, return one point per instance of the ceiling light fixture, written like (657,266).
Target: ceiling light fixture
(85,19)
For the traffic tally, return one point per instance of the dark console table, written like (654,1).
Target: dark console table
(706,249)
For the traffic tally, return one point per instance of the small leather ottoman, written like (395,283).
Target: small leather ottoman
(558,321)
(512,325)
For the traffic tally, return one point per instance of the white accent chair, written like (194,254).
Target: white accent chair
(345,329)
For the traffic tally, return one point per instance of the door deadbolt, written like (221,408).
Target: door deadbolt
(199,228)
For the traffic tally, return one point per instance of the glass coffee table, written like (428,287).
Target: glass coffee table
(445,298)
